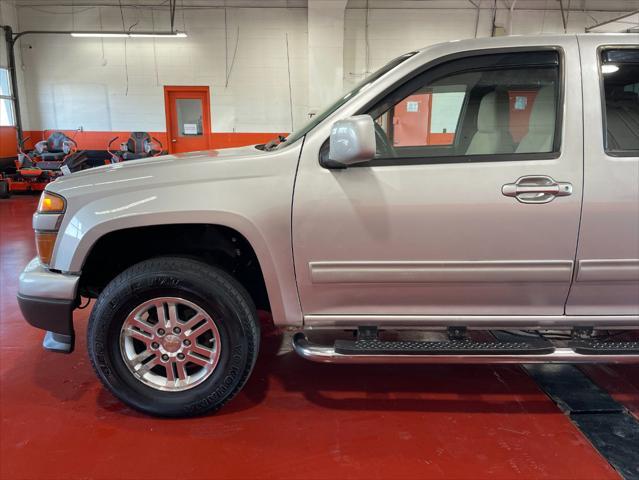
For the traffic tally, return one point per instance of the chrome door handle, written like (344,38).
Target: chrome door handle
(536,189)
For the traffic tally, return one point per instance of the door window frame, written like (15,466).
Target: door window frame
(602,94)
(476,61)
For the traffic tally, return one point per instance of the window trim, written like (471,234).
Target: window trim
(483,158)
(602,96)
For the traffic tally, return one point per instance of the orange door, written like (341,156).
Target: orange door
(187,118)
(411,121)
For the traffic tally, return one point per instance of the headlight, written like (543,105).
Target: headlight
(51,203)
(45,235)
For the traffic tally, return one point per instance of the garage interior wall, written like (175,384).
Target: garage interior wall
(255,60)
(8,16)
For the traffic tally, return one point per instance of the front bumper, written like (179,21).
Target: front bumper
(47,300)
(48,314)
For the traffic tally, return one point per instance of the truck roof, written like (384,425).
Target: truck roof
(531,40)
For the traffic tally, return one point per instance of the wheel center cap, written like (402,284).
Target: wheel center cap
(171,343)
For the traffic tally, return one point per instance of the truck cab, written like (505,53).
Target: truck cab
(486,190)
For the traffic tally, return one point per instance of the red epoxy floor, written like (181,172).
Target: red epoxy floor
(294,419)
(622,382)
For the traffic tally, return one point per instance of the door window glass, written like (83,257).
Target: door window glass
(189,117)
(620,72)
(471,112)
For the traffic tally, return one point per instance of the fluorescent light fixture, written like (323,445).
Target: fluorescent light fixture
(176,35)
(109,35)
(609,68)
(129,34)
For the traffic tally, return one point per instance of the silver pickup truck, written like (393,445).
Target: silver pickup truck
(485,189)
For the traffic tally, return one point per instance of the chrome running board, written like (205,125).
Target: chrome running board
(327,354)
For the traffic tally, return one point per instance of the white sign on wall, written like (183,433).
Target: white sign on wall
(190,129)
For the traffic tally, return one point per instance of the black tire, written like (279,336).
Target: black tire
(4,189)
(212,289)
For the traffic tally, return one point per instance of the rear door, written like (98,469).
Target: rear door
(607,276)
(449,229)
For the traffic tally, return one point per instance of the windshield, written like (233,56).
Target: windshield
(317,119)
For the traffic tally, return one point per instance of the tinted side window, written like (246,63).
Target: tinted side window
(504,104)
(620,72)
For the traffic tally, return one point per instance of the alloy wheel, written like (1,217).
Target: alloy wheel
(170,344)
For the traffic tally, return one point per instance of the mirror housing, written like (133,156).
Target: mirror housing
(352,141)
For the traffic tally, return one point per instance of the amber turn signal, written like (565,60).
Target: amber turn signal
(45,241)
(51,203)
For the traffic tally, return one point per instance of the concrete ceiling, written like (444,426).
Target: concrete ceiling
(573,5)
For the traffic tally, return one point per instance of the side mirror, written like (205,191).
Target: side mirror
(352,141)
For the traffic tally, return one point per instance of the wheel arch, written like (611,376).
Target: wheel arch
(219,230)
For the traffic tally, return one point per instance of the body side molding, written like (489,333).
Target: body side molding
(612,270)
(441,271)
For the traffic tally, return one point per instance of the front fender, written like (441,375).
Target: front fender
(257,206)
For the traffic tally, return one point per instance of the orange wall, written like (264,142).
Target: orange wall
(100,140)
(235,139)
(441,138)
(88,140)
(8,142)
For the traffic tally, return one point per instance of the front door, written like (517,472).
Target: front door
(188,118)
(481,224)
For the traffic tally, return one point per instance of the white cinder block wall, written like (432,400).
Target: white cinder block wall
(243,54)
(113,84)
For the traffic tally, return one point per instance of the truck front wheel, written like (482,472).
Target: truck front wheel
(173,337)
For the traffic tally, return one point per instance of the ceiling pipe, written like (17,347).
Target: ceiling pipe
(563,16)
(510,17)
(13,78)
(493,27)
(613,20)
(478,7)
